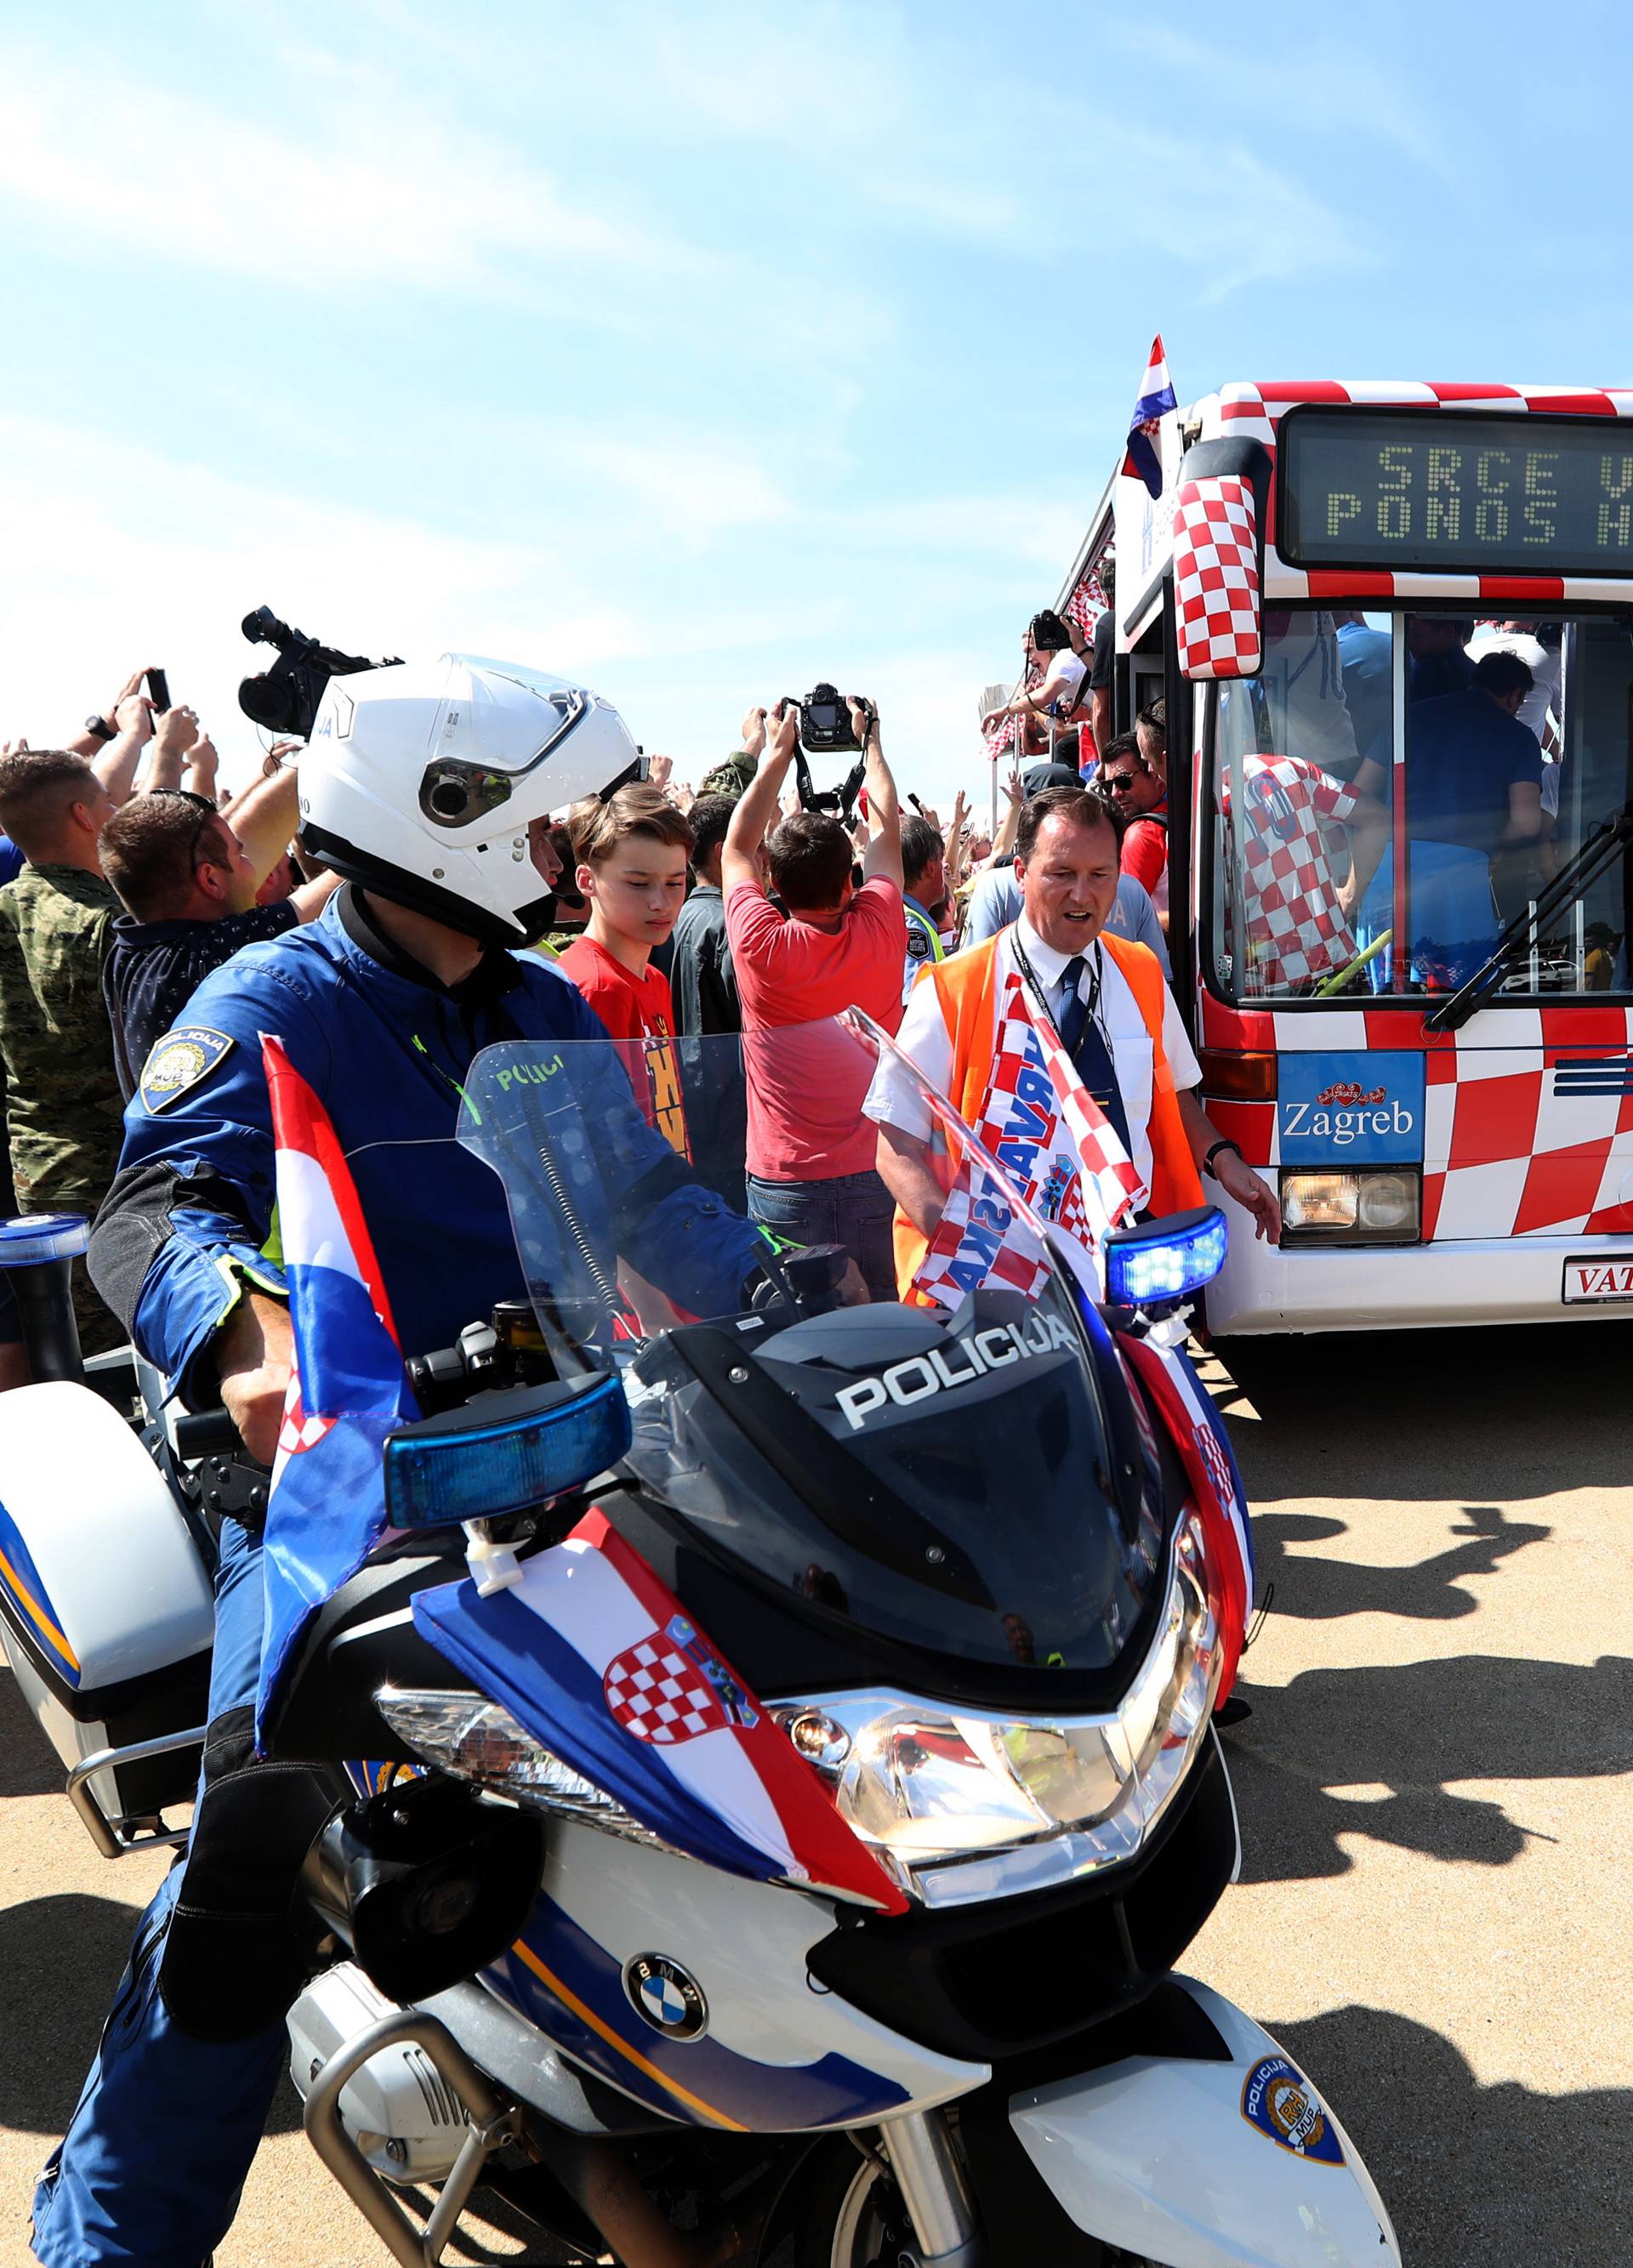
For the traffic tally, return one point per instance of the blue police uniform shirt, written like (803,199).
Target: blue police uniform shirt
(1463,755)
(386,1047)
(1366,658)
(11,861)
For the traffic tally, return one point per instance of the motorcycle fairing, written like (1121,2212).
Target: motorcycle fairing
(561,1979)
(599,1660)
(1187,2162)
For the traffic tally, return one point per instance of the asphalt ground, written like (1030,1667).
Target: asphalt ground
(1433,1913)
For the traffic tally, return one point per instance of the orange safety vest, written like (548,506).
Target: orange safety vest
(967,988)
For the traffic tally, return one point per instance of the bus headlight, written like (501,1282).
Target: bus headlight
(1370,1205)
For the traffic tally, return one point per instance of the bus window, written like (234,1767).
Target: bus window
(1291,877)
(1515,748)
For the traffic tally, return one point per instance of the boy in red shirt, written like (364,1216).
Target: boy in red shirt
(811,1171)
(630,853)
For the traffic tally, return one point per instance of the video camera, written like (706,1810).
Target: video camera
(825,729)
(285,697)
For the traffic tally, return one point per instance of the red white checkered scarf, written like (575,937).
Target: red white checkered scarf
(1060,1149)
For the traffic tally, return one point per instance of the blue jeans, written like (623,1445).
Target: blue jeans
(854,1210)
(162,2136)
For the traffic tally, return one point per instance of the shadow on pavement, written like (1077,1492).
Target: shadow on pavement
(1313,1589)
(1471,1718)
(28,1763)
(1483,1416)
(1495,2176)
(60,1960)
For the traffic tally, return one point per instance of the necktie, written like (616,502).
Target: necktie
(1084,1041)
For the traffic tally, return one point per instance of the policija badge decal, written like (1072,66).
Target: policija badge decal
(1280,2101)
(671,2001)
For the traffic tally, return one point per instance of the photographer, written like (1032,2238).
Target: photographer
(811,1152)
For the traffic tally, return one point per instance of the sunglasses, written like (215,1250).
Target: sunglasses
(1119,783)
(206,811)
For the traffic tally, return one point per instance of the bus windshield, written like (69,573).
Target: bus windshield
(1393,790)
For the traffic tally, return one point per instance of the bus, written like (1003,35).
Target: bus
(1393,628)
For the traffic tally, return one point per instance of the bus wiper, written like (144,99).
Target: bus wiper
(1603,847)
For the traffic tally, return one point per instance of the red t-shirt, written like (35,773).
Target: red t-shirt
(1145,850)
(805,1095)
(638,1010)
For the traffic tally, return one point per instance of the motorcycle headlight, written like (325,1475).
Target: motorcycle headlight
(959,1805)
(475,1739)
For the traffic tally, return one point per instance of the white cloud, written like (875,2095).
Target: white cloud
(373,189)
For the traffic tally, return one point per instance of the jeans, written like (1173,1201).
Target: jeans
(162,2136)
(854,1210)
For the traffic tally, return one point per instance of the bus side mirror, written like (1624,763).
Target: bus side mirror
(1215,569)
(1221,516)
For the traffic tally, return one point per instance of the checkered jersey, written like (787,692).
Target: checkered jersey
(1295,928)
(1216,579)
(658,1694)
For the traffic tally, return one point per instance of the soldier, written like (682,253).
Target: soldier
(62,1103)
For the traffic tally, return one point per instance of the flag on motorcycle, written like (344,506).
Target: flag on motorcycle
(1061,1150)
(597,1659)
(348,1388)
(1143,461)
(1188,1412)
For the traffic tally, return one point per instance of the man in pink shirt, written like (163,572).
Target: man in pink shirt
(811,1152)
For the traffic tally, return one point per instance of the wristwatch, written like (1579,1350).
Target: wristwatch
(100,726)
(1224,1143)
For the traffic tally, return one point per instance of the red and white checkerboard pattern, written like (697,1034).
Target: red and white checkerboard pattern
(1507,1151)
(1216,579)
(657,1694)
(1295,929)
(1101,1188)
(1087,602)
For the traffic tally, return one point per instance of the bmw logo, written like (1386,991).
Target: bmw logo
(671,2001)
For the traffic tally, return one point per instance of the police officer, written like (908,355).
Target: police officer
(924,885)
(429,790)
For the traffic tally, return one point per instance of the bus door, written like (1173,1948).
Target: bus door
(1379,806)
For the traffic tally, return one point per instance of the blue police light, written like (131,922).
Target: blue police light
(1163,1259)
(529,1445)
(34,1237)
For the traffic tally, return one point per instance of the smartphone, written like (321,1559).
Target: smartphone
(917,805)
(159,690)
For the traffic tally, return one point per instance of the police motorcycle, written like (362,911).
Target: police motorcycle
(768,1759)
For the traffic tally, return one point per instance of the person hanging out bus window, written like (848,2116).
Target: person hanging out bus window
(1046,645)
(1141,797)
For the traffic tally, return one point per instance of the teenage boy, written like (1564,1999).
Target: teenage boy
(630,854)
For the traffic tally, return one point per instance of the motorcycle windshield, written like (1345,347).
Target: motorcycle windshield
(932,1464)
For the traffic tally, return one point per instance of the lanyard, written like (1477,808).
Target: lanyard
(1098,968)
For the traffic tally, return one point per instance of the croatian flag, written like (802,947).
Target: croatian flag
(1143,461)
(347,1390)
(1216,1488)
(598,1661)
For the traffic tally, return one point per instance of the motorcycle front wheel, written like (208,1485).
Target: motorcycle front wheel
(850,2215)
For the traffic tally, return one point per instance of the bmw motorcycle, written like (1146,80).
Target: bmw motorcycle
(768,1760)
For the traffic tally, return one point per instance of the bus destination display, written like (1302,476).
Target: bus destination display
(1494,495)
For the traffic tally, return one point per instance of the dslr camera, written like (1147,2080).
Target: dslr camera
(825,720)
(285,697)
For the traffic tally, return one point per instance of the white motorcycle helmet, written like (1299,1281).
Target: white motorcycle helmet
(420,781)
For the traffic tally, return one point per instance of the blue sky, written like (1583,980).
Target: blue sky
(700,352)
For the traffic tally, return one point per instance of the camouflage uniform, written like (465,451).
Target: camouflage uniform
(65,1114)
(734,777)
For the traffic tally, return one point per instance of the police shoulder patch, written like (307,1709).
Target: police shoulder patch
(178,1061)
